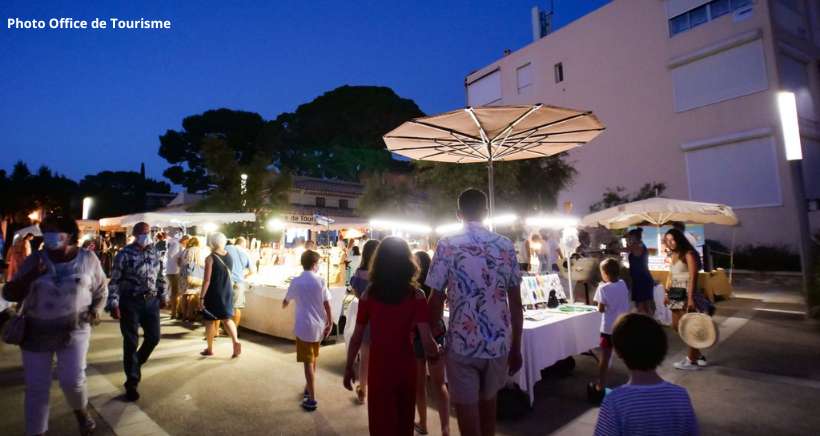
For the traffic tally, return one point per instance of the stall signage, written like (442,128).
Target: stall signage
(294,218)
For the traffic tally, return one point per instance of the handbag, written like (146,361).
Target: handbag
(15,331)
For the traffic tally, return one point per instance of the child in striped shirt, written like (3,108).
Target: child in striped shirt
(647,405)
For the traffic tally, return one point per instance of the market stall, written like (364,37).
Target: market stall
(658,212)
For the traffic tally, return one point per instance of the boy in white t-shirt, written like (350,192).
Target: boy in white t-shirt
(313,320)
(612,297)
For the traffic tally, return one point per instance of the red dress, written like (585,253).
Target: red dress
(392,372)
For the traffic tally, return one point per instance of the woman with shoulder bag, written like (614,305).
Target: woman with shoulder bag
(62,290)
(682,290)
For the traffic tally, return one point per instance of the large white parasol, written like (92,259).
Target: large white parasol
(659,211)
(496,133)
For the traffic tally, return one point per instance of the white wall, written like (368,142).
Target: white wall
(740,174)
(728,74)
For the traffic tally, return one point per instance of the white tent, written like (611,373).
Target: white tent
(659,211)
(177,219)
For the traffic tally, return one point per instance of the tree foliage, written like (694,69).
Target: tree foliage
(24,191)
(338,135)
(618,195)
(523,186)
(118,193)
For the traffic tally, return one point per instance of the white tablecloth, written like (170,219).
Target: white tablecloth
(546,342)
(263,310)
(555,338)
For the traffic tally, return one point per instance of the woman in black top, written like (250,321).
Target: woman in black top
(216,298)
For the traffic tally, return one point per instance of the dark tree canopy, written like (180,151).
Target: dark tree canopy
(239,130)
(338,135)
(24,191)
(118,192)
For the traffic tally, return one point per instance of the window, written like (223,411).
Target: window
(523,77)
(719,7)
(485,91)
(559,72)
(343,204)
(702,14)
(722,76)
(320,201)
(751,180)
(698,16)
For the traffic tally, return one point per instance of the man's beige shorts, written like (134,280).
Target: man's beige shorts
(470,379)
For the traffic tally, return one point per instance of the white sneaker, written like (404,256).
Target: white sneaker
(702,361)
(686,365)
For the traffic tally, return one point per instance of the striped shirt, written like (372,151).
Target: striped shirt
(659,409)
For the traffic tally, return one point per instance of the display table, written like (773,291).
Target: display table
(263,311)
(713,283)
(554,338)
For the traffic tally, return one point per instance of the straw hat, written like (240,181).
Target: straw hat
(698,330)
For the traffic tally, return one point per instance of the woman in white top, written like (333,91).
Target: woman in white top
(682,290)
(63,291)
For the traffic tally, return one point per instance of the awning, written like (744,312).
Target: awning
(177,219)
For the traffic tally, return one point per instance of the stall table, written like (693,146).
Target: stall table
(714,283)
(263,311)
(554,338)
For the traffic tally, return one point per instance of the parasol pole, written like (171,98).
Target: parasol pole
(732,255)
(490,190)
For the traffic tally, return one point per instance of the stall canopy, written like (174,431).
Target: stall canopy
(659,211)
(177,219)
(495,133)
(33,229)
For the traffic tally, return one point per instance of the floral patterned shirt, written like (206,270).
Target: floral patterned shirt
(136,273)
(477,268)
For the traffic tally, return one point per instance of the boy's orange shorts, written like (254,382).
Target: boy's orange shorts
(306,352)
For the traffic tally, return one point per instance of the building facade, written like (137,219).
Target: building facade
(687,90)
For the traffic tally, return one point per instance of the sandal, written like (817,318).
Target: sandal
(237,350)
(419,430)
(206,352)
(360,394)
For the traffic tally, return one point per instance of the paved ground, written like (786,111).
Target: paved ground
(764,379)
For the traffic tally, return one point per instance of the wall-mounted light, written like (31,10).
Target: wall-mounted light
(787,106)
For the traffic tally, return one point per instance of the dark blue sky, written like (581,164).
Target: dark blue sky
(83,101)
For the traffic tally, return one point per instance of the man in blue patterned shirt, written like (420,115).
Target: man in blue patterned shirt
(479,272)
(136,293)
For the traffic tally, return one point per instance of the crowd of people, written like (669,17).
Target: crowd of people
(400,334)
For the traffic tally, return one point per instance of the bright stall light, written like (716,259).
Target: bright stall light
(787,105)
(210,227)
(551,221)
(275,224)
(449,228)
(400,226)
(87,202)
(34,216)
(500,220)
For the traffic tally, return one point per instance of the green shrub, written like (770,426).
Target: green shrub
(756,257)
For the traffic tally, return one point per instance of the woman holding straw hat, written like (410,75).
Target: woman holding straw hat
(682,290)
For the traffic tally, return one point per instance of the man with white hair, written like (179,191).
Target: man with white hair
(240,269)
(136,293)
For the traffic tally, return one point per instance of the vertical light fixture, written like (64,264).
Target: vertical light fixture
(787,106)
(789,124)
(87,202)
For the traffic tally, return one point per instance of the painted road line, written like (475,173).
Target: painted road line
(125,418)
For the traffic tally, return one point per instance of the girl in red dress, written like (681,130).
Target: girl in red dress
(394,307)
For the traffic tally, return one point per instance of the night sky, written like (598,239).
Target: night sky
(84,101)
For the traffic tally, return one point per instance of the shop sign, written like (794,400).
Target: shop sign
(293,218)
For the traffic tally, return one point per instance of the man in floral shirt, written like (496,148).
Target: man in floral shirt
(479,272)
(136,293)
